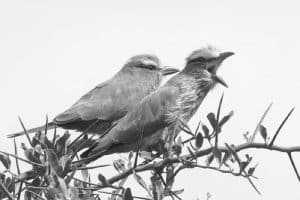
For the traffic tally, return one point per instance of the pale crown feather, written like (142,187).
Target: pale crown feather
(146,59)
(205,52)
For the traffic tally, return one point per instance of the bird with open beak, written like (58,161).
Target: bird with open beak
(109,101)
(179,98)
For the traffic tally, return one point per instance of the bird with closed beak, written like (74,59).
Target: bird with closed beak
(179,98)
(109,101)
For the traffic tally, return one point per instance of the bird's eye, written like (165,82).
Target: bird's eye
(150,67)
(200,59)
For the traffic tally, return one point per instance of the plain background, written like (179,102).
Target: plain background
(52,52)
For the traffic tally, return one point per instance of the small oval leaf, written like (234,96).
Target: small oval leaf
(212,120)
(263,132)
(217,154)
(199,140)
(127,195)
(225,119)
(5,160)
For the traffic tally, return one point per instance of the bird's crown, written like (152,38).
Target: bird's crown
(205,52)
(144,60)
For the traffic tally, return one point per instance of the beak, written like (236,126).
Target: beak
(219,80)
(169,70)
(222,57)
(214,65)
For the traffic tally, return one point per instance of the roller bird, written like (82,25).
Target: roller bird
(179,98)
(109,101)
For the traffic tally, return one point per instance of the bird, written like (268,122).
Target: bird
(179,98)
(109,101)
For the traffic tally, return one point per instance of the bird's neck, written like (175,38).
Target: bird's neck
(192,91)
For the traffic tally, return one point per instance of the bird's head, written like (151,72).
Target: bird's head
(205,62)
(149,63)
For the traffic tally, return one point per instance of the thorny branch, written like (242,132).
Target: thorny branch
(161,164)
(60,155)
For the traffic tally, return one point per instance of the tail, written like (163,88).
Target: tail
(50,126)
(98,150)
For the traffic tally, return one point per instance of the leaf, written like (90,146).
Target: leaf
(226,156)
(176,149)
(263,132)
(53,162)
(209,159)
(5,161)
(199,140)
(44,140)
(217,154)
(119,165)
(52,193)
(102,179)
(243,166)
(251,171)
(178,192)
(140,181)
(205,130)
(212,120)
(30,154)
(60,145)
(192,153)
(27,175)
(127,195)
(226,118)
(63,187)
(184,127)
(9,184)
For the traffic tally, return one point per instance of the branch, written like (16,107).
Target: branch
(161,164)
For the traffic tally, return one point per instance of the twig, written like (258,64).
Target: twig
(20,190)
(25,131)
(260,122)
(188,140)
(6,191)
(54,135)
(281,125)
(92,167)
(27,161)
(46,125)
(217,124)
(253,185)
(165,184)
(294,165)
(16,153)
(35,194)
(138,148)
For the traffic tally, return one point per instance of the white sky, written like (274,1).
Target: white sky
(52,52)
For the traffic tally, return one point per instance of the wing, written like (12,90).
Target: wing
(149,116)
(108,101)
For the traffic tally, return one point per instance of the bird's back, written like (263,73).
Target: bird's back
(107,102)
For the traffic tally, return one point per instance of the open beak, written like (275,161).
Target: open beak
(169,70)
(219,80)
(214,65)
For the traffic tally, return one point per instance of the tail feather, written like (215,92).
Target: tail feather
(96,151)
(50,126)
